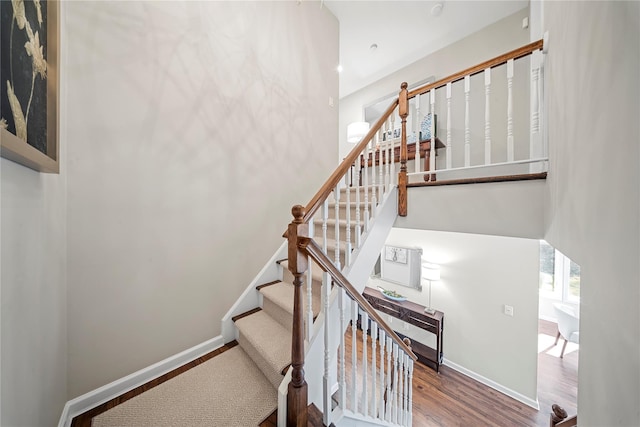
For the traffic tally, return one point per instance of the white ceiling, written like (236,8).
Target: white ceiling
(404,31)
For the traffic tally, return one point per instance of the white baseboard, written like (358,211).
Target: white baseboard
(494,385)
(97,397)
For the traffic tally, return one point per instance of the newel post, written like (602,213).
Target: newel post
(558,414)
(403,111)
(297,392)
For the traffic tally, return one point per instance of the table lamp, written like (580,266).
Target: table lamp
(431,273)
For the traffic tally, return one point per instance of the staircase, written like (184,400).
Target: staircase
(292,320)
(264,332)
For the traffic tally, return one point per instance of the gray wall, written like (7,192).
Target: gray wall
(193,128)
(593,193)
(512,209)
(33,296)
(479,275)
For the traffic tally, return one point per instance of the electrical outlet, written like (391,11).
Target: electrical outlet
(331,101)
(508,310)
(389,319)
(405,326)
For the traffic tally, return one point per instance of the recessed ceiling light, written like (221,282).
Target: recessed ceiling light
(436,10)
(339,68)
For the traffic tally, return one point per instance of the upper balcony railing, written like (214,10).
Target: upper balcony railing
(492,116)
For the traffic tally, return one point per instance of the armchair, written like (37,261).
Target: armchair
(568,325)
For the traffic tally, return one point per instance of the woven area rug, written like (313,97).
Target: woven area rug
(228,390)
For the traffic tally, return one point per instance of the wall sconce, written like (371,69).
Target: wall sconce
(356,131)
(431,273)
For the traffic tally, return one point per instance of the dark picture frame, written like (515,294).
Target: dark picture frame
(29,88)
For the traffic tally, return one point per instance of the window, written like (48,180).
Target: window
(559,276)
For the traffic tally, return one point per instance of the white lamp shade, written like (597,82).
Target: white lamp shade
(356,131)
(430,271)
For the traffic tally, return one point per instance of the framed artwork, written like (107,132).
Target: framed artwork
(29,40)
(395,254)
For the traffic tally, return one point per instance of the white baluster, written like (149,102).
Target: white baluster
(382,340)
(380,166)
(487,116)
(354,356)
(309,280)
(432,158)
(374,339)
(418,129)
(374,186)
(364,323)
(535,108)
(399,388)
(358,188)
(405,393)
(336,196)
(388,179)
(326,283)
(326,383)
(389,410)
(342,395)
(348,247)
(394,390)
(393,149)
(510,149)
(325,218)
(467,129)
(449,119)
(536,149)
(366,187)
(410,407)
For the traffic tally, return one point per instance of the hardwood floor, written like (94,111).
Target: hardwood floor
(453,399)
(557,378)
(450,399)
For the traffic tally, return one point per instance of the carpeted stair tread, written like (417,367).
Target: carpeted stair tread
(227,390)
(281,294)
(267,342)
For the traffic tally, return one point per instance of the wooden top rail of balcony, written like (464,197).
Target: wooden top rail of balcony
(498,60)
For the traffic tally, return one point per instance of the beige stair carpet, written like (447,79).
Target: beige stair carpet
(267,342)
(228,390)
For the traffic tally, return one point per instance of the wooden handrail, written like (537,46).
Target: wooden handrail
(569,422)
(343,168)
(498,60)
(317,254)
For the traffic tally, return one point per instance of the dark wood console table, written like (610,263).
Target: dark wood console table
(415,315)
(379,157)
